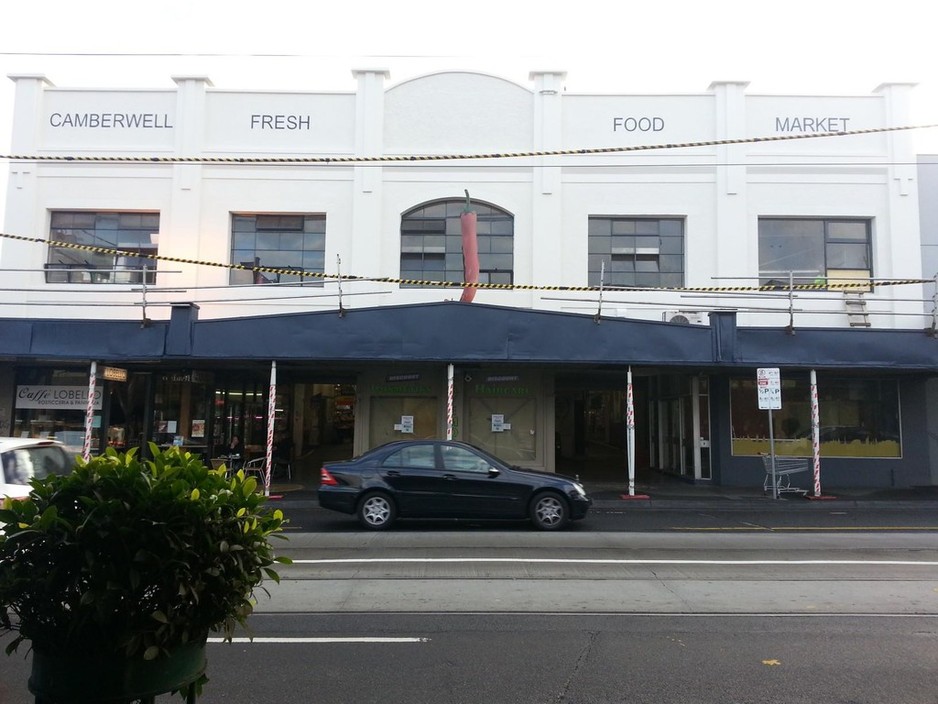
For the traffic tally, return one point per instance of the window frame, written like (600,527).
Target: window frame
(829,276)
(251,231)
(431,243)
(639,251)
(124,268)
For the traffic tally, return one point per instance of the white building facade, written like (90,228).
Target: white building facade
(775,231)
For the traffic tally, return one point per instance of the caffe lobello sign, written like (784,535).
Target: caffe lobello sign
(65,398)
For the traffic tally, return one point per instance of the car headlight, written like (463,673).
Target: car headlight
(578,488)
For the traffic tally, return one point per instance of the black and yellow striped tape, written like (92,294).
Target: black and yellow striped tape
(846,285)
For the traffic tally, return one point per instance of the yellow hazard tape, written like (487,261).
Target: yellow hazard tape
(840,284)
(415,158)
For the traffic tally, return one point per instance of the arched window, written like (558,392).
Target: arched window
(431,242)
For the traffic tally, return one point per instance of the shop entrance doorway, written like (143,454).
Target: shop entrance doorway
(672,427)
(590,439)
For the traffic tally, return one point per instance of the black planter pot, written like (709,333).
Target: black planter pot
(114,679)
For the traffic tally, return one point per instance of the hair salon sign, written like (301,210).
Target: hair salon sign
(64,398)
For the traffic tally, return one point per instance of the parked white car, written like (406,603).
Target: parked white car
(23,459)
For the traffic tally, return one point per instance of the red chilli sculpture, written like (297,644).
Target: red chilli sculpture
(470,252)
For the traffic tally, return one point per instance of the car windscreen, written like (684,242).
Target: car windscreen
(20,465)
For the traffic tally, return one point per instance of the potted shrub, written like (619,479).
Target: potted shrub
(117,572)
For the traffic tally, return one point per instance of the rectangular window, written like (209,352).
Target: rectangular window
(290,244)
(640,252)
(859,418)
(103,247)
(823,250)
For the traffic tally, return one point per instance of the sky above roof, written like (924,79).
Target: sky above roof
(837,47)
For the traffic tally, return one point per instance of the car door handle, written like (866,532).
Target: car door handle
(449,477)
(394,474)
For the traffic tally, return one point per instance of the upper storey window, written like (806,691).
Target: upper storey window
(642,252)
(292,243)
(134,234)
(431,243)
(814,250)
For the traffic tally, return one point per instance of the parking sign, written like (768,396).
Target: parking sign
(769,387)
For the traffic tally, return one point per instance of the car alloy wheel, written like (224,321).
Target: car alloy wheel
(376,511)
(549,512)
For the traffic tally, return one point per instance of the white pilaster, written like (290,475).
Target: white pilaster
(368,243)
(736,252)
(547,195)
(180,228)
(23,217)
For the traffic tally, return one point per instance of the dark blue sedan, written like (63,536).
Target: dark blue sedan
(446,479)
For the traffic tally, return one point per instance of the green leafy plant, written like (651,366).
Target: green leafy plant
(133,556)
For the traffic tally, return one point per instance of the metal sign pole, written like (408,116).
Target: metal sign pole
(772,456)
(769,393)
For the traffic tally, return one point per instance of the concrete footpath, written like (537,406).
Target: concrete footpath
(670,493)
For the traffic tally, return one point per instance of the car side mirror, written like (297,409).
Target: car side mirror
(494,471)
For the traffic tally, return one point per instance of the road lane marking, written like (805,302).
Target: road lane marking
(752,527)
(599,561)
(320,640)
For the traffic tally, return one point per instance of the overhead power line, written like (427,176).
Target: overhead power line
(417,158)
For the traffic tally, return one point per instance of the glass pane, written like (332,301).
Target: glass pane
(596,262)
(314,261)
(599,227)
(502,227)
(291,241)
(671,245)
(501,245)
(315,224)
(646,264)
(241,223)
(267,241)
(671,263)
(600,245)
(848,256)
(313,242)
(856,230)
(791,245)
(107,221)
(623,227)
(646,227)
(647,280)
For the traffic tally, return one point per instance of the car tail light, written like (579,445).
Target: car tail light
(327,479)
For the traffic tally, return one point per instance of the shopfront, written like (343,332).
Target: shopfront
(541,390)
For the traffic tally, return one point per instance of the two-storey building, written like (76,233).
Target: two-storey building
(193,236)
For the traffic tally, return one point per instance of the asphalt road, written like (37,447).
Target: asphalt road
(663,607)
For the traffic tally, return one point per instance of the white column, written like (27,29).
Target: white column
(371,247)
(898,252)
(23,216)
(547,189)
(736,251)
(181,232)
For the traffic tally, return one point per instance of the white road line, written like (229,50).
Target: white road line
(320,640)
(589,561)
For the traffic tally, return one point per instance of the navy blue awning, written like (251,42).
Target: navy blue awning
(462,332)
